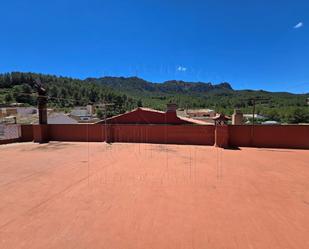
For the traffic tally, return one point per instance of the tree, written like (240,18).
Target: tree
(8,98)
(139,103)
(273,115)
(127,93)
(299,116)
(53,92)
(100,113)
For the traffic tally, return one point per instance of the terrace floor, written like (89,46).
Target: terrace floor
(140,196)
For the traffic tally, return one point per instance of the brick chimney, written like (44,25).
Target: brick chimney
(171,116)
(171,108)
(237,117)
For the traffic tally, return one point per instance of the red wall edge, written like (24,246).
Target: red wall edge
(271,136)
(274,136)
(203,135)
(170,134)
(26,133)
(76,132)
(9,141)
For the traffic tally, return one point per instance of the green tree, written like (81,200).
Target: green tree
(100,113)
(8,98)
(299,116)
(273,115)
(139,103)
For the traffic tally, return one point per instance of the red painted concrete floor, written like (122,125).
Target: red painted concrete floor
(75,195)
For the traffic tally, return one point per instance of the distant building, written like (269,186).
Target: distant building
(88,110)
(204,115)
(16,104)
(84,114)
(60,118)
(256,116)
(8,111)
(26,111)
(193,113)
(270,122)
(80,111)
(143,115)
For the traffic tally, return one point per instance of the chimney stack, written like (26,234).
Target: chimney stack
(171,114)
(171,108)
(237,117)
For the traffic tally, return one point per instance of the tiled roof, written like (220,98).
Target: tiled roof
(191,120)
(176,120)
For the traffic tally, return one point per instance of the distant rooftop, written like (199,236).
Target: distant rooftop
(143,115)
(256,116)
(60,118)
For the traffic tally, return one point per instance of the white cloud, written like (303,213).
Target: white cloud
(298,25)
(181,69)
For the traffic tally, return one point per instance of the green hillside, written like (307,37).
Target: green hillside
(64,93)
(127,93)
(279,106)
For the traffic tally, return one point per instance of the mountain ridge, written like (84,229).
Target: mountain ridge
(171,86)
(225,85)
(129,92)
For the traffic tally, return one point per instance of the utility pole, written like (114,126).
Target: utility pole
(253,108)
(105,105)
(253,111)
(253,101)
(42,101)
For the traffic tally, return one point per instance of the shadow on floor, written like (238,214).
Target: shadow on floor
(232,148)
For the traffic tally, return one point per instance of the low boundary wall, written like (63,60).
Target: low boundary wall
(76,132)
(200,135)
(271,136)
(26,133)
(9,141)
(274,136)
(165,134)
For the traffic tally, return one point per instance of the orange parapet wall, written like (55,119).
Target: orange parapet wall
(164,134)
(188,134)
(271,136)
(77,132)
(275,136)
(9,141)
(26,133)
(40,133)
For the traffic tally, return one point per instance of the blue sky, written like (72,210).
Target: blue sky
(251,44)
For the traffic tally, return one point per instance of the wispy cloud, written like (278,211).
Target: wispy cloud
(181,69)
(298,25)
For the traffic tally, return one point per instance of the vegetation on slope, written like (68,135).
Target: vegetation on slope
(64,93)
(128,93)
(279,106)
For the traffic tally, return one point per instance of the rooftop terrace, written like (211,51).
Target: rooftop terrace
(95,195)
